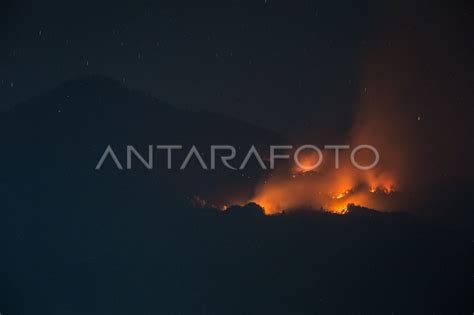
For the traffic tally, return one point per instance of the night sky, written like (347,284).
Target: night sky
(300,68)
(299,60)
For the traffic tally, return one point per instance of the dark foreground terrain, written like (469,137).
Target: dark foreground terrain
(166,260)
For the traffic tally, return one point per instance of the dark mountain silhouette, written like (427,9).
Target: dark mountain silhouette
(78,241)
(249,210)
(70,127)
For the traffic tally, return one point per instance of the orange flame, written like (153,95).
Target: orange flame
(326,188)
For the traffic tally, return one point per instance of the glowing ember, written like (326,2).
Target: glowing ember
(342,195)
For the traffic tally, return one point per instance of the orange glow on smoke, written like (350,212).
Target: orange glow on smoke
(326,188)
(307,161)
(382,121)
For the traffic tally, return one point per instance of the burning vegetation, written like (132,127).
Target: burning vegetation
(326,189)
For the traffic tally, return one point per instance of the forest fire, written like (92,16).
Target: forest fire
(394,114)
(315,192)
(330,186)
